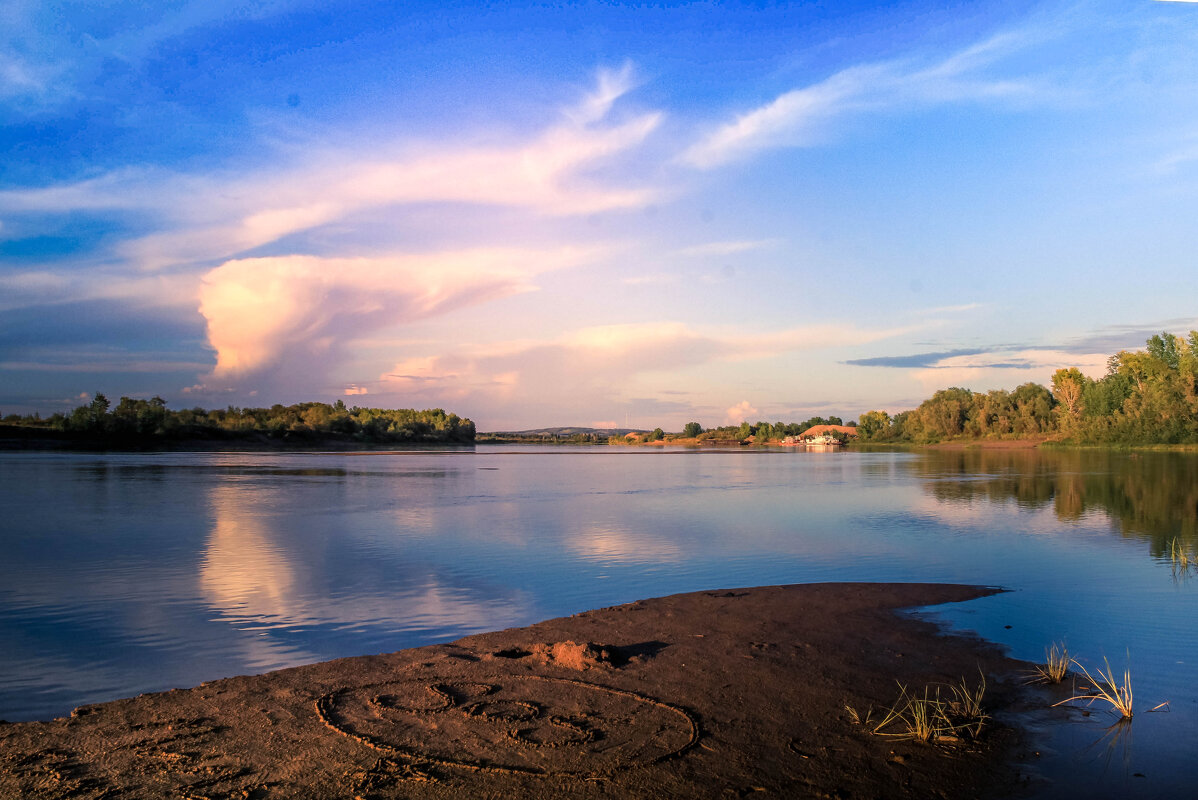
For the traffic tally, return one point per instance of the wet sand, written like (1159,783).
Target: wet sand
(710,694)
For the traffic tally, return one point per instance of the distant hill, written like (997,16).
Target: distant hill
(562,432)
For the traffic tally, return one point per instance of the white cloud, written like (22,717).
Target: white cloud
(792,119)
(611,86)
(740,412)
(302,311)
(802,117)
(205,219)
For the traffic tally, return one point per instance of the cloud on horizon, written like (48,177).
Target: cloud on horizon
(987,370)
(629,367)
(301,313)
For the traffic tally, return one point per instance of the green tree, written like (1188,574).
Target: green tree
(98,409)
(691,430)
(873,425)
(1069,389)
(1165,348)
(944,414)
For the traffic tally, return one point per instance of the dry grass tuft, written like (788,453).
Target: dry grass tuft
(1055,666)
(1107,689)
(856,718)
(935,715)
(964,707)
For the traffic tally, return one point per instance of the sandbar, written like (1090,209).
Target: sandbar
(729,693)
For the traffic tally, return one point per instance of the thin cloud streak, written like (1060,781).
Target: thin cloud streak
(801,117)
(988,370)
(726,248)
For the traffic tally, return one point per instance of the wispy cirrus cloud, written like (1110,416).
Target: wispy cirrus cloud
(48,61)
(727,248)
(803,117)
(203,219)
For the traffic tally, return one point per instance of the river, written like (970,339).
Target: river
(131,572)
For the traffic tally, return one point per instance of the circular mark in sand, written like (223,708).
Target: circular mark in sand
(530,724)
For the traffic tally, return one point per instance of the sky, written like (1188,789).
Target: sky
(599,214)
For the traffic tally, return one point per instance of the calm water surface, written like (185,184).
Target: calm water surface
(126,573)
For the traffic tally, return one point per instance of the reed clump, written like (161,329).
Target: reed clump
(1107,689)
(1055,666)
(1182,559)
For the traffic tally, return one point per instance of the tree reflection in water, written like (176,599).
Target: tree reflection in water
(1149,496)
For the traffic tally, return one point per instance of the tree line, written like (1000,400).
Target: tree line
(134,418)
(1147,396)
(761,432)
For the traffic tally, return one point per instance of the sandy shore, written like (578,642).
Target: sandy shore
(709,694)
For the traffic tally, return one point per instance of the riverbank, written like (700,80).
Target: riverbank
(708,694)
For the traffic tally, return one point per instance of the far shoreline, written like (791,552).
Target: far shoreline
(24,439)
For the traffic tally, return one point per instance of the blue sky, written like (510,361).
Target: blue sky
(588,213)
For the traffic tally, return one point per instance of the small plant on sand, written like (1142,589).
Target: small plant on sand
(935,715)
(856,718)
(1055,666)
(1106,689)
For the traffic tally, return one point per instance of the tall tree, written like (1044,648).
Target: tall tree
(873,425)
